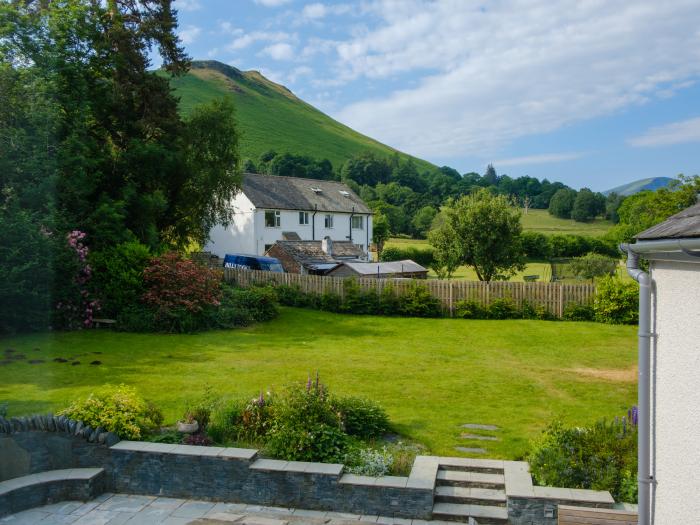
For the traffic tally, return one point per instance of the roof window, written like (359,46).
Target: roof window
(317,190)
(344,193)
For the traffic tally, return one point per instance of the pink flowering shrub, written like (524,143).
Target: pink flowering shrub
(76,307)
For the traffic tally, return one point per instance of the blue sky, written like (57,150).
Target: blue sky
(592,93)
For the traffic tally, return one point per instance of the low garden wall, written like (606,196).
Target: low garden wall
(40,443)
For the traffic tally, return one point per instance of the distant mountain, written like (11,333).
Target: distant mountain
(271,117)
(631,188)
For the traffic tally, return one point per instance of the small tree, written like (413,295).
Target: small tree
(380,232)
(562,202)
(593,265)
(446,255)
(481,230)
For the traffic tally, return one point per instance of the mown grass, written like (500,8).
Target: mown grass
(271,118)
(432,375)
(541,221)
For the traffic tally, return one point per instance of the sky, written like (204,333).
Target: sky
(593,93)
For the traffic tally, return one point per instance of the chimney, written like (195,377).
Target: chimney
(327,246)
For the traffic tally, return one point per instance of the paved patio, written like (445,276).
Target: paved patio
(118,509)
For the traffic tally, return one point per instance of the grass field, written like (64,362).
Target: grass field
(432,375)
(541,221)
(271,118)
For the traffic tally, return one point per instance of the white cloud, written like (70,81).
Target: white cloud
(272,3)
(488,75)
(187,5)
(546,158)
(189,34)
(247,39)
(683,132)
(279,51)
(298,72)
(313,11)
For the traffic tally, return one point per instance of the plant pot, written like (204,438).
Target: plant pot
(187,428)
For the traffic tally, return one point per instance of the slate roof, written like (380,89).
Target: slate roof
(682,225)
(385,268)
(291,193)
(311,253)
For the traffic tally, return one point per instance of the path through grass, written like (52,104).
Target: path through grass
(432,375)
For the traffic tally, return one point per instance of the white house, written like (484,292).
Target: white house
(669,369)
(270,209)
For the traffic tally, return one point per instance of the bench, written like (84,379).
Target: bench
(586,515)
(105,322)
(43,488)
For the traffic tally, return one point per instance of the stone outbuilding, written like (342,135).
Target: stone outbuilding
(315,257)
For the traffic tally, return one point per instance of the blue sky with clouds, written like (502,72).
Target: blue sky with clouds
(593,93)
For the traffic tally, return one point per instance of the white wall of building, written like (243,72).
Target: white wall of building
(239,235)
(675,416)
(248,233)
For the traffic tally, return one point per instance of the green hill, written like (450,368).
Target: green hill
(272,118)
(631,188)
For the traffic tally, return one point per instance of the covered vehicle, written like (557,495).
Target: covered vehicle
(253,262)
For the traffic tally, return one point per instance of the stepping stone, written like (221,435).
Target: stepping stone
(478,437)
(471,450)
(477,426)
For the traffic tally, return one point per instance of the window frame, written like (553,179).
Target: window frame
(303,218)
(276,218)
(361,221)
(328,221)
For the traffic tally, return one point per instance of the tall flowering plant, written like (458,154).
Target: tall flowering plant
(77,309)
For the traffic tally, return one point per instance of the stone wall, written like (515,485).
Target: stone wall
(41,443)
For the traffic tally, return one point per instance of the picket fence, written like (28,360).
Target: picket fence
(553,296)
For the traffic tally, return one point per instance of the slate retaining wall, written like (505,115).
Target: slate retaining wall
(41,443)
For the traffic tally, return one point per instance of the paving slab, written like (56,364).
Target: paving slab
(479,426)
(479,437)
(471,450)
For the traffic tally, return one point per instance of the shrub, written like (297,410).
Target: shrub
(418,302)
(361,417)
(200,409)
(601,457)
(174,285)
(117,409)
(329,302)
(535,245)
(248,421)
(366,461)
(307,426)
(616,301)
(593,265)
(578,312)
(423,256)
(503,309)
(467,309)
(241,307)
(388,300)
(118,276)
(356,301)
(536,311)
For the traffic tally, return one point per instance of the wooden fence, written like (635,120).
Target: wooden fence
(553,296)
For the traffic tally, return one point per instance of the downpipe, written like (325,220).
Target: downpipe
(644,478)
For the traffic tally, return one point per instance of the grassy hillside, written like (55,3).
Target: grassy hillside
(272,117)
(631,188)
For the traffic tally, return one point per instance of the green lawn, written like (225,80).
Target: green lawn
(432,375)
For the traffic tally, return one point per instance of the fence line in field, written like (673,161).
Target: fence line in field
(553,296)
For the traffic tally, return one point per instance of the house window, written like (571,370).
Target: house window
(272,218)
(328,221)
(357,222)
(267,247)
(303,217)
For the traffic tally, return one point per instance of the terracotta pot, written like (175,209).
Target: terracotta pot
(187,428)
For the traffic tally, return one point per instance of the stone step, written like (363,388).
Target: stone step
(470,495)
(487,466)
(470,479)
(483,514)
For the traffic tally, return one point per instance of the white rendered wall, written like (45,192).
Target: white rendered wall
(675,416)
(239,235)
